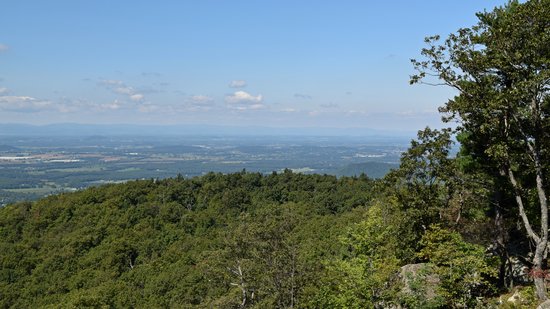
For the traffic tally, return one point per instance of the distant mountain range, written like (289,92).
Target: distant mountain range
(74,129)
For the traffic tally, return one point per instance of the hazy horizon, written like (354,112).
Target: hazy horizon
(89,129)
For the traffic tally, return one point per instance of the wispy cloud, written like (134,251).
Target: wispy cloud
(201,99)
(110,106)
(64,105)
(4,91)
(194,103)
(237,84)
(119,87)
(4,47)
(199,103)
(329,105)
(24,104)
(70,105)
(302,96)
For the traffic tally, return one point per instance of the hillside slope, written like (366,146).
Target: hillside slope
(218,240)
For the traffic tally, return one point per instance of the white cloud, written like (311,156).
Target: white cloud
(237,84)
(67,105)
(24,104)
(136,97)
(4,47)
(27,104)
(201,99)
(243,97)
(199,103)
(119,87)
(124,90)
(4,90)
(110,106)
(70,105)
(242,100)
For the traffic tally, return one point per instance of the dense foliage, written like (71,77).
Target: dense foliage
(439,231)
(248,240)
(500,68)
(218,240)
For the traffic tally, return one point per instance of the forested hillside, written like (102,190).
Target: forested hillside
(218,240)
(440,231)
(248,240)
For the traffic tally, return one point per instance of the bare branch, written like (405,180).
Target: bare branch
(522,212)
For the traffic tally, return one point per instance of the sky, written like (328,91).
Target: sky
(340,64)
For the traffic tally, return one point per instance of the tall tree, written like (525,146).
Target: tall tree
(500,68)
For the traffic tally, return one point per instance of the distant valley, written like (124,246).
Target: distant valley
(35,166)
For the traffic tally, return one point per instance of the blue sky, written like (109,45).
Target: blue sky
(270,63)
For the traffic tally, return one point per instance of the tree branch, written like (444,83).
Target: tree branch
(522,212)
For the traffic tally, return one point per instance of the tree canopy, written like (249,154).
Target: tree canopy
(440,231)
(501,70)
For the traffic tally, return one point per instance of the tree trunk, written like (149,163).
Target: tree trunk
(540,252)
(538,273)
(541,241)
(242,284)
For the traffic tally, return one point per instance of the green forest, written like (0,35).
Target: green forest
(442,230)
